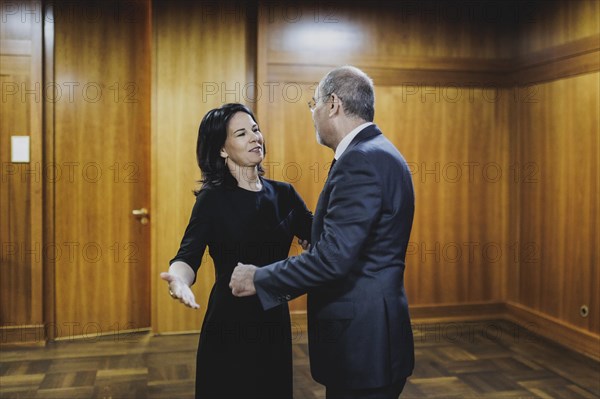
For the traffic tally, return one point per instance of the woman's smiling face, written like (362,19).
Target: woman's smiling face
(244,142)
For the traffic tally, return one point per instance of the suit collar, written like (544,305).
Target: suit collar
(345,142)
(365,134)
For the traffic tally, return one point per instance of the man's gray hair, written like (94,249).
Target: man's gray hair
(354,88)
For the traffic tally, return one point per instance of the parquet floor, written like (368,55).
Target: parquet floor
(454,360)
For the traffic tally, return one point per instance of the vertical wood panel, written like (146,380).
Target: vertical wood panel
(560,138)
(293,154)
(512,279)
(17,241)
(200,63)
(20,185)
(458,152)
(36,155)
(557,143)
(49,189)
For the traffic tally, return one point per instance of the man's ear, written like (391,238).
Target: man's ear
(335,106)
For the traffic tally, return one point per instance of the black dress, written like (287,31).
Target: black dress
(244,351)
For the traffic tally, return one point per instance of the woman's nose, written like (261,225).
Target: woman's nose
(256,136)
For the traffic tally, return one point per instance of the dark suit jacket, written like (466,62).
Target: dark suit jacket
(359,326)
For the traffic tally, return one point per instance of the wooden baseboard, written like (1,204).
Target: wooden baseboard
(564,334)
(27,335)
(182,332)
(555,330)
(111,334)
(558,331)
(457,312)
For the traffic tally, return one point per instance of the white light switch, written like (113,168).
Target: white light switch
(20,149)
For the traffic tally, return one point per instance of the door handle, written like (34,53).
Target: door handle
(142,215)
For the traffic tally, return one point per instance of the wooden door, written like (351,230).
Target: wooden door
(101,168)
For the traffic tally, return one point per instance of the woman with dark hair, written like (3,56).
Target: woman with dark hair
(244,351)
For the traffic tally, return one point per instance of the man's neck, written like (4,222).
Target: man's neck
(345,127)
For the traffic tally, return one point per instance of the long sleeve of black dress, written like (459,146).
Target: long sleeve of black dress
(197,232)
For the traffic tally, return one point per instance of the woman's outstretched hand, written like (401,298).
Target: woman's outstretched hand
(180,290)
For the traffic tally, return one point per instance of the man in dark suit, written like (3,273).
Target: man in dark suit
(360,337)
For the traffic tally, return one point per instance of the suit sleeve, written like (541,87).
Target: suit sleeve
(194,241)
(354,205)
(302,218)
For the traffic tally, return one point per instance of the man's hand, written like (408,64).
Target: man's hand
(242,280)
(304,244)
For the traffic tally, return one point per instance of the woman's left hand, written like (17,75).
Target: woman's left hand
(304,244)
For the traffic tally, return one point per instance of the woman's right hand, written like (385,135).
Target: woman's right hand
(178,289)
(304,244)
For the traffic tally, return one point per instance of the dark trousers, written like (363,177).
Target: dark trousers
(388,392)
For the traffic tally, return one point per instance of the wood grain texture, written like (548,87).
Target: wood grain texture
(559,137)
(461,115)
(293,155)
(15,200)
(556,329)
(199,64)
(390,30)
(102,144)
(464,89)
(21,183)
(550,23)
(560,67)
(458,151)
(49,288)
(395,42)
(459,247)
(555,142)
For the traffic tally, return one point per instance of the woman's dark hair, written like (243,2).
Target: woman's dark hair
(211,139)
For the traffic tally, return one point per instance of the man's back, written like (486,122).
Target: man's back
(362,318)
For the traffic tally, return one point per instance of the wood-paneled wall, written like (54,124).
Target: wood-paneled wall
(202,58)
(440,97)
(551,23)
(435,42)
(458,151)
(471,116)
(21,251)
(557,138)
(493,104)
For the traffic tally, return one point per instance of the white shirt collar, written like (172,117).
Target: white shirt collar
(348,139)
